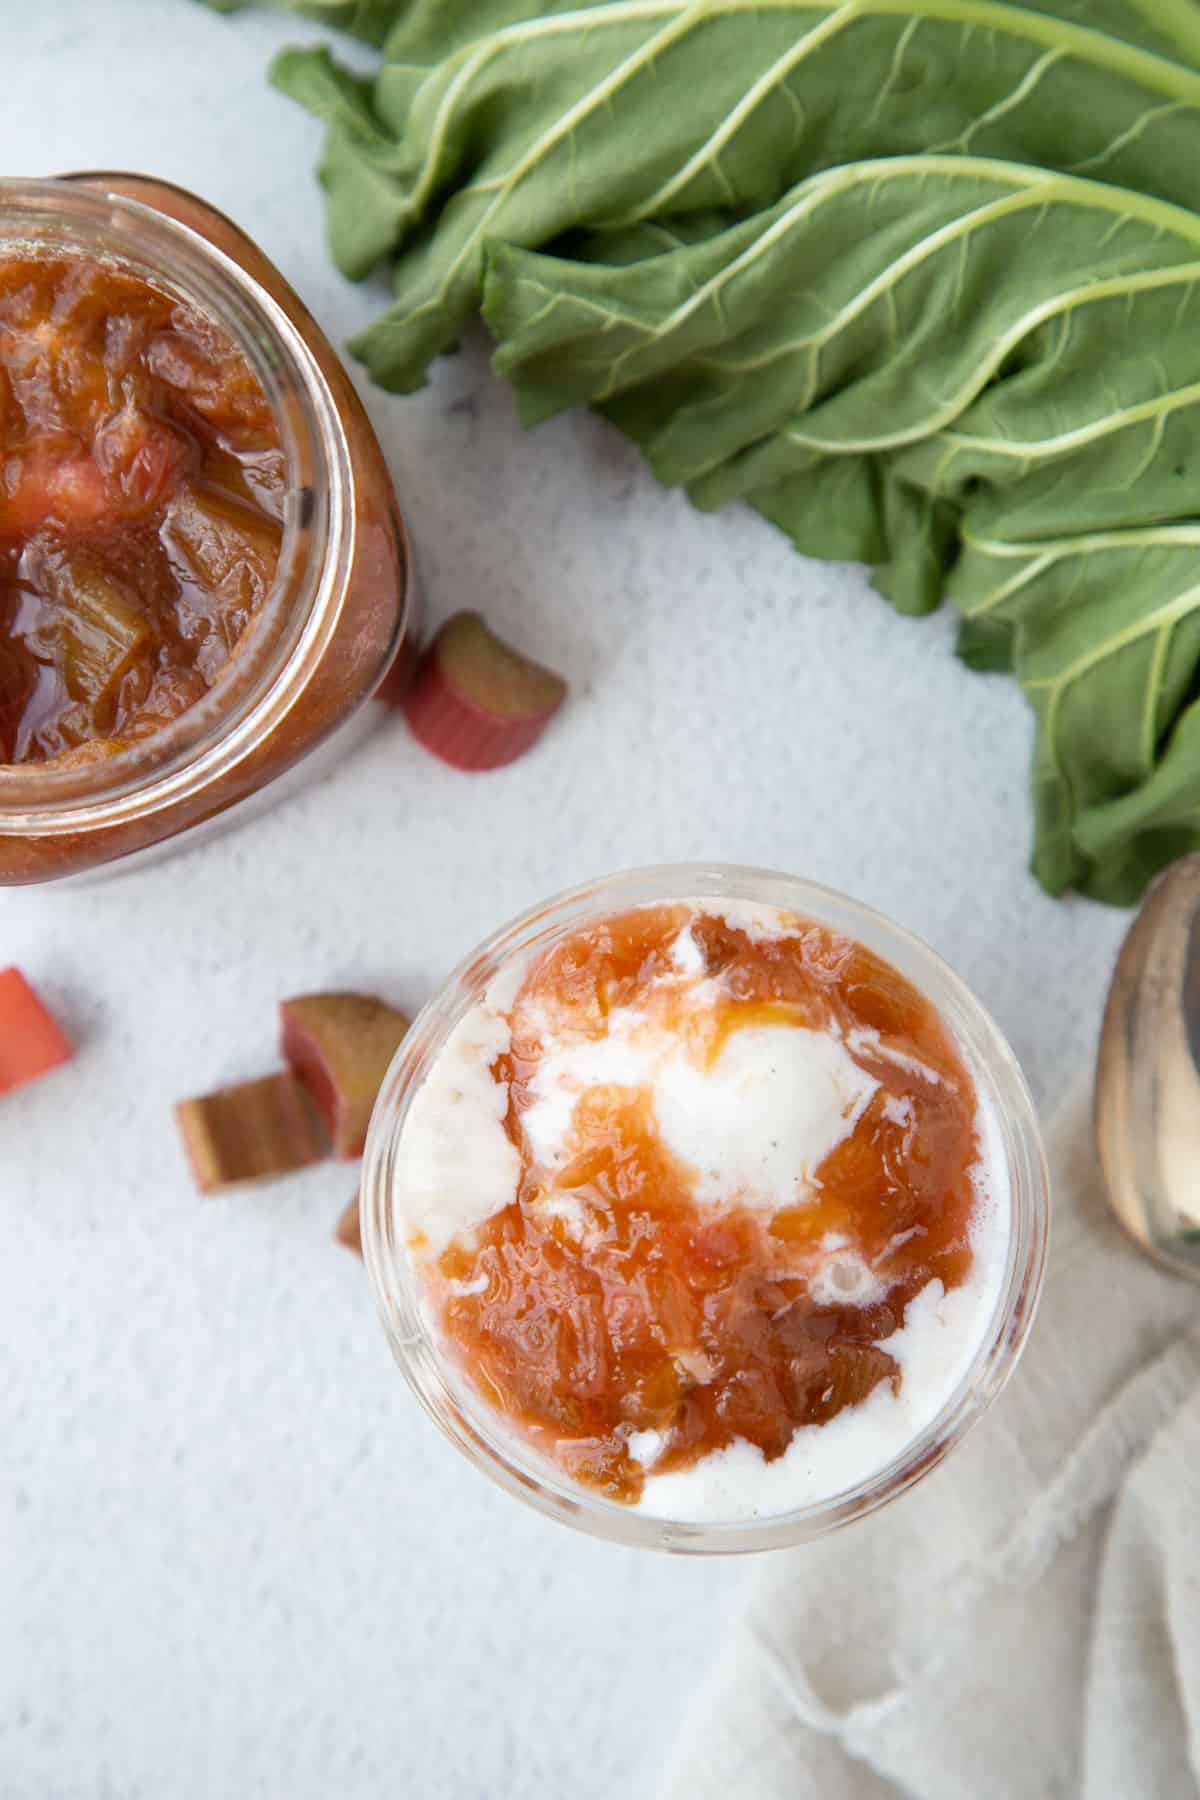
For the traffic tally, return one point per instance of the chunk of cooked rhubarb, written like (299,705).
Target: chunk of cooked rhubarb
(141,458)
(252,1132)
(198,360)
(349,1228)
(223,545)
(31,1040)
(340,1045)
(98,632)
(477,703)
(38,484)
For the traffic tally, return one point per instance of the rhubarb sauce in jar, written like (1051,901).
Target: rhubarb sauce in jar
(203,571)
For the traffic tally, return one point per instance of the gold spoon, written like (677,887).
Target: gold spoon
(1147,1115)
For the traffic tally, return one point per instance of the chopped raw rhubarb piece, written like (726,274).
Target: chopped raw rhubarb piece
(477,703)
(349,1228)
(31,1041)
(251,1132)
(340,1046)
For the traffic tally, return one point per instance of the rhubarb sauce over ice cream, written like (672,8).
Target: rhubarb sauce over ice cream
(704,1203)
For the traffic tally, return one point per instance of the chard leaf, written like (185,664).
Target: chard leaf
(537,121)
(370,20)
(981,378)
(986,646)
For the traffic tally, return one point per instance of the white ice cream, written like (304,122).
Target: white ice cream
(753,1123)
(754,1126)
(456,1165)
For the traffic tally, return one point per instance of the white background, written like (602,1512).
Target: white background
(234,1560)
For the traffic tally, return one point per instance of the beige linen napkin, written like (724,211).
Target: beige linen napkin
(1026,1622)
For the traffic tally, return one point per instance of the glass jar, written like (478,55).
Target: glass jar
(341,611)
(453,1401)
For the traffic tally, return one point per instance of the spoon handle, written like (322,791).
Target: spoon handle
(1147,1106)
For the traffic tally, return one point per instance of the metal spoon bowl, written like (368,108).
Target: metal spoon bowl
(1147,1108)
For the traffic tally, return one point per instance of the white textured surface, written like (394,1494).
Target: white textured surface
(234,1560)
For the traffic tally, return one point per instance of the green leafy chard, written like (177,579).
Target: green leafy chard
(900,360)
(917,281)
(536,121)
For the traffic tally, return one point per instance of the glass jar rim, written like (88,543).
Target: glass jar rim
(448,1396)
(289,634)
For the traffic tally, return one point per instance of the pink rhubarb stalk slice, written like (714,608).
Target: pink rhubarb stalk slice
(477,703)
(251,1132)
(31,1040)
(340,1045)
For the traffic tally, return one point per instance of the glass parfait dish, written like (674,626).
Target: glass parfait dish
(340,613)
(437,1374)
